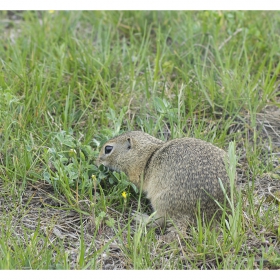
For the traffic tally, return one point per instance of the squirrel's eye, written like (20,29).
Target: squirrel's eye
(108,149)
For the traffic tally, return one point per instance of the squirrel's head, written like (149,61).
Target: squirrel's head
(128,152)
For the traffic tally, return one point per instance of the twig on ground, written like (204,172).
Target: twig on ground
(229,38)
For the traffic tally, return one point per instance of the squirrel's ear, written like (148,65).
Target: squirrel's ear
(128,143)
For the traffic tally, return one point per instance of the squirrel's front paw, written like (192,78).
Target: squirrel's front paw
(140,217)
(145,219)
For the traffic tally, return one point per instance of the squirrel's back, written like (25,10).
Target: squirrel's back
(183,173)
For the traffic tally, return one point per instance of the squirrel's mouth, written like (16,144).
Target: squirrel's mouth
(113,169)
(110,168)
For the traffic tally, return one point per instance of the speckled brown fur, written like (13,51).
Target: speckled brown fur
(176,174)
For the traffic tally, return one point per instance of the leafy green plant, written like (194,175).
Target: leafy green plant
(69,164)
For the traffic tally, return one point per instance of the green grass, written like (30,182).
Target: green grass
(71,80)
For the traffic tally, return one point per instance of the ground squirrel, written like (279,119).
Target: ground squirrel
(175,175)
